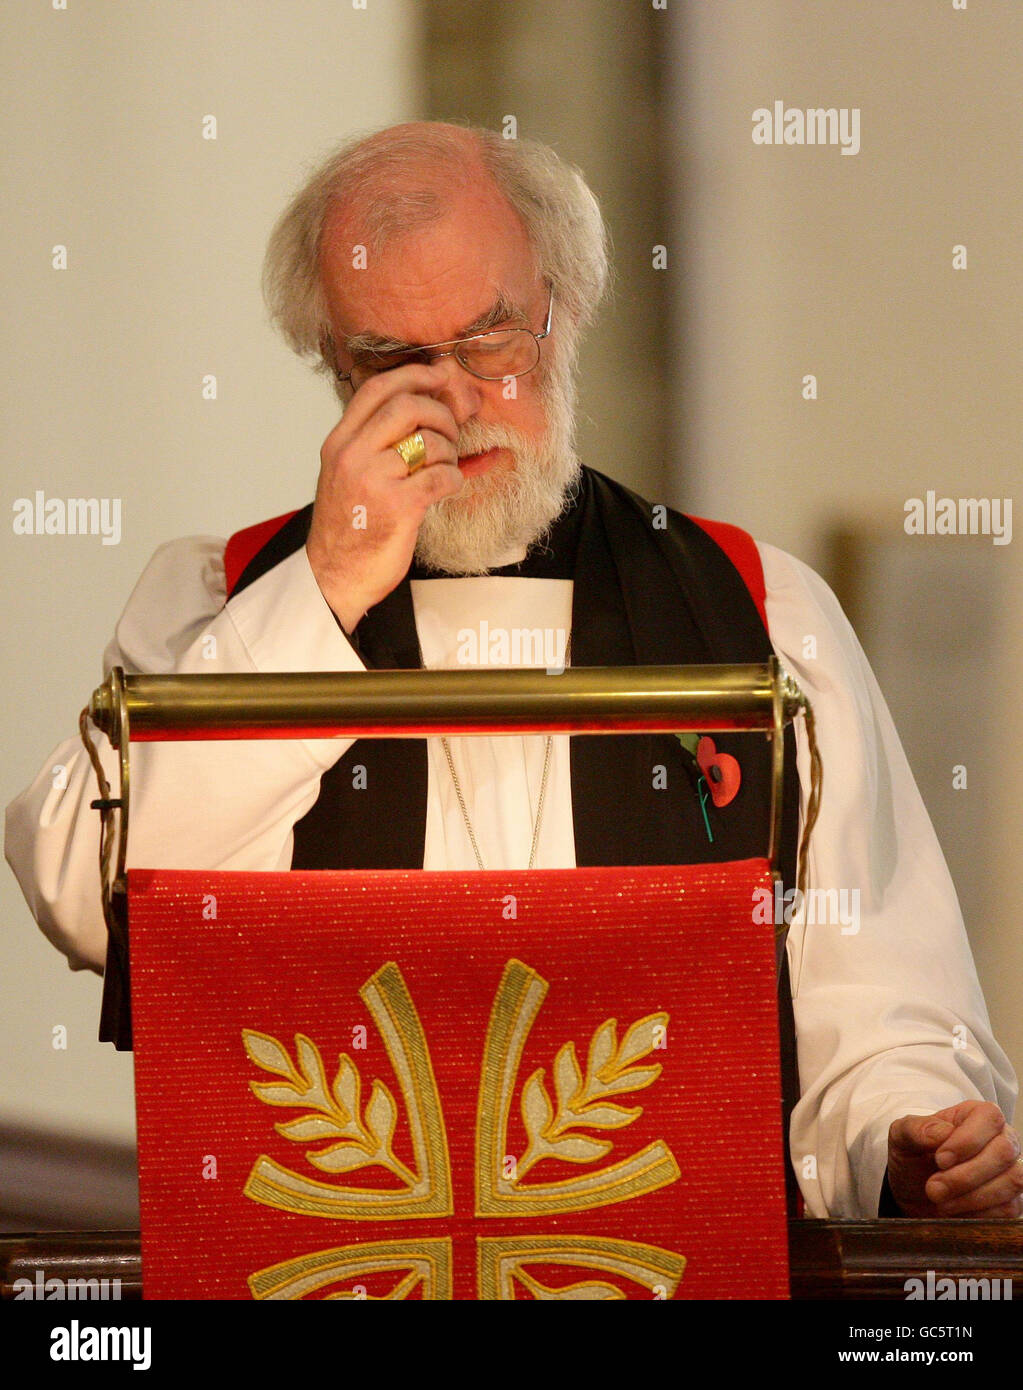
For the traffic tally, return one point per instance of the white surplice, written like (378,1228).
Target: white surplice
(890,1018)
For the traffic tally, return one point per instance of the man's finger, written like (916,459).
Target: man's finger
(919,1134)
(996,1158)
(1012,1210)
(971,1134)
(405,413)
(437,481)
(439,449)
(1000,1191)
(419,377)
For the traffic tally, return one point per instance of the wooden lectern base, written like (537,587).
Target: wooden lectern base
(835,1260)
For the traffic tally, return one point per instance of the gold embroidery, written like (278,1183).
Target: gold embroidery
(581,1103)
(362,1140)
(427,1262)
(361,1137)
(502,1262)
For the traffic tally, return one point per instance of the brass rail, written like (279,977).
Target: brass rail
(393,704)
(409,704)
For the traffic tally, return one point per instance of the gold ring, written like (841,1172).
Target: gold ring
(413,450)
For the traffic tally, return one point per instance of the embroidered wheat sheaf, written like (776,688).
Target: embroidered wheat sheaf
(347,1135)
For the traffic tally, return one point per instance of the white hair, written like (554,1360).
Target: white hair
(390,176)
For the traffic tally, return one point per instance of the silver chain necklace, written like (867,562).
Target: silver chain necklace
(540,800)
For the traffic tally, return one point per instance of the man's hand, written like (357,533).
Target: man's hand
(963,1161)
(368,508)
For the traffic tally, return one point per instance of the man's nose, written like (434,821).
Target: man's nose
(460,390)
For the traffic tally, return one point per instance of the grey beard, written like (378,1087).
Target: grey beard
(506,510)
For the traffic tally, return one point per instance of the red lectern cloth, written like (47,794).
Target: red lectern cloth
(394,1084)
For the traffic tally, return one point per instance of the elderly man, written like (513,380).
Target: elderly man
(442,276)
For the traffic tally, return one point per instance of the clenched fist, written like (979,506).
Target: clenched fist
(963,1161)
(358,556)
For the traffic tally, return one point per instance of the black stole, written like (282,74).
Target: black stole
(644,595)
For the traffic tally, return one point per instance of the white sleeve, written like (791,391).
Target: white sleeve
(890,1018)
(228,804)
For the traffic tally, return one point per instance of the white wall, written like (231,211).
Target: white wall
(794,260)
(103,152)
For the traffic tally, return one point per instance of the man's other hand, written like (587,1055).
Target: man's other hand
(963,1161)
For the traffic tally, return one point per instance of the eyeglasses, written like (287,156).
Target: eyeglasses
(493,356)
